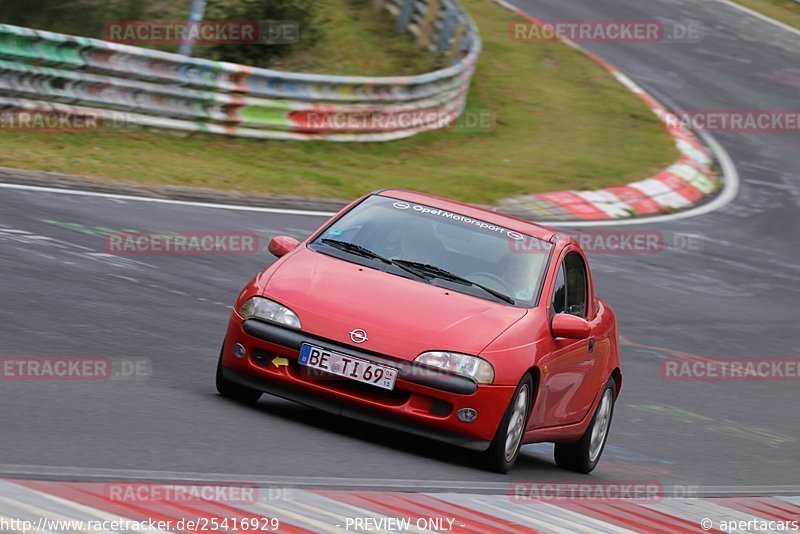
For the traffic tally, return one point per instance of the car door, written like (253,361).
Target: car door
(563,395)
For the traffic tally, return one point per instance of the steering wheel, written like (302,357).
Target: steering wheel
(493,277)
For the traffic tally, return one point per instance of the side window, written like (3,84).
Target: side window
(560,292)
(576,284)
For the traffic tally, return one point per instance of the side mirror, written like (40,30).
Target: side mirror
(282,245)
(570,326)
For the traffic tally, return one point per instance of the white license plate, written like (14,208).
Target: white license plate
(347,366)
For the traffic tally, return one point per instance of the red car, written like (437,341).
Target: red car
(438,318)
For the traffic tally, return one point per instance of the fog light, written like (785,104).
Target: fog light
(467,415)
(239,351)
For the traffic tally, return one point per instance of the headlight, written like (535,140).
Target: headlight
(461,364)
(267,310)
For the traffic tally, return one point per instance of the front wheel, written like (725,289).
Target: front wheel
(583,455)
(504,450)
(234,391)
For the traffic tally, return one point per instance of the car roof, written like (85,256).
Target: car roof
(493,217)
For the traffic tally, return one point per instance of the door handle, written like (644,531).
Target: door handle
(591,345)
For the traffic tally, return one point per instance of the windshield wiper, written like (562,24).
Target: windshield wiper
(364,252)
(354,249)
(416,268)
(444,274)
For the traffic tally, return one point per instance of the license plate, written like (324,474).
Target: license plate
(347,366)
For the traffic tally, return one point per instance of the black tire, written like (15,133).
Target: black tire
(496,457)
(234,391)
(580,456)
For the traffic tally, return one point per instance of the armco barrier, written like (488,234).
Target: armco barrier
(42,71)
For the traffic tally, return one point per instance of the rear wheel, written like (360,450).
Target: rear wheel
(504,450)
(582,456)
(234,391)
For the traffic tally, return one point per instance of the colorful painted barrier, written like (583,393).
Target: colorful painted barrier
(43,72)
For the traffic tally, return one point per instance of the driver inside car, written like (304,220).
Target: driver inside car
(520,276)
(419,244)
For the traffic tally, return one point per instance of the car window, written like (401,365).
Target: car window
(480,252)
(560,292)
(576,284)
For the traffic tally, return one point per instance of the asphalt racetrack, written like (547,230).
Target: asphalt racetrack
(733,294)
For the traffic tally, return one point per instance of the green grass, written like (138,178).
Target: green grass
(786,11)
(563,122)
(357,40)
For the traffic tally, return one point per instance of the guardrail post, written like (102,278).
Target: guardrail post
(406,12)
(458,39)
(196,14)
(447,30)
(427,24)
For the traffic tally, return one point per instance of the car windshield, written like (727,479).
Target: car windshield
(440,247)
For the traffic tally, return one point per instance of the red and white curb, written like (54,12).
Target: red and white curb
(678,187)
(51,507)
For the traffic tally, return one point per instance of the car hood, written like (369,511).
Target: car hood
(402,317)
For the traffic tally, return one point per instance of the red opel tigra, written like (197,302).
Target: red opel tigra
(438,318)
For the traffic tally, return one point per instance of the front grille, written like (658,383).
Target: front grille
(261,357)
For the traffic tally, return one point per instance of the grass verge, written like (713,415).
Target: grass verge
(562,122)
(357,40)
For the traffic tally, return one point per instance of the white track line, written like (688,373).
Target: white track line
(758,15)
(235,207)
(729,192)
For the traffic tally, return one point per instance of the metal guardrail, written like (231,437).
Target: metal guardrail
(70,75)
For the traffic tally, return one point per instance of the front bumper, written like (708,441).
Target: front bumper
(424,401)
